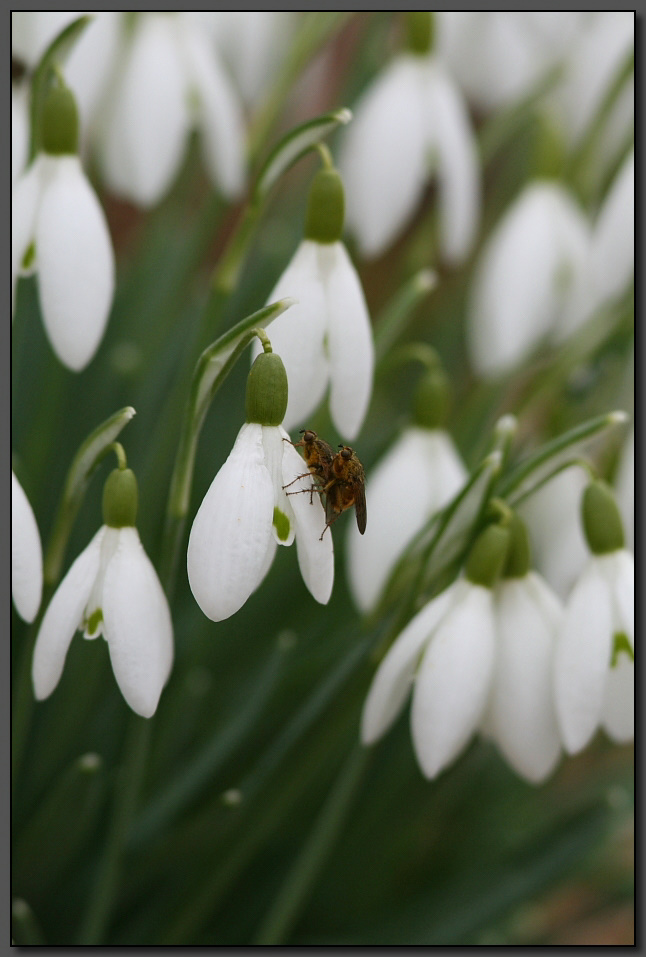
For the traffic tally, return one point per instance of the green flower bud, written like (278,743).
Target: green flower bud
(487,556)
(60,122)
(432,399)
(266,399)
(602,523)
(420,30)
(120,499)
(325,207)
(519,555)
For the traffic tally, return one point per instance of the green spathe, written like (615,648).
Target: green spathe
(60,122)
(266,399)
(487,556)
(120,499)
(604,530)
(325,208)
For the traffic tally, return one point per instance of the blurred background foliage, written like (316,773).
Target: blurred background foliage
(260,818)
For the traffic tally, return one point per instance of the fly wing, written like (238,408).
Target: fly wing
(360,509)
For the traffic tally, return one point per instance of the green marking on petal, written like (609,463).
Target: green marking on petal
(281,524)
(29,258)
(93,622)
(620,644)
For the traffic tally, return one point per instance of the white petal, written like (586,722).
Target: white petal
(297,335)
(274,447)
(26,554)
(148,121)
(618,569)
(582,658)
(75,264)
(424,463)
(454,679)
(349,341)
(315,554)
(612,256)
(382,158)
(24,208)
(523,720)
(219,115)
(393,680)
(231,533)
(523,277)
(137,625)
(62,618)
(552,515)
(452,140)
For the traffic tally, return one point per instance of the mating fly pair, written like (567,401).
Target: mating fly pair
(338,478)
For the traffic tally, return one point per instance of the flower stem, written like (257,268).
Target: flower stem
(127,789)
(283,913)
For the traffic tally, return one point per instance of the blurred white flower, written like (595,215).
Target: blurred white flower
(252,44)
(19,130)
(111,589)
(57,217)
(610,263)
(498,56)
(525,276)
(26,554)
(594,667)
(553,519)
(245,513)
(168,80)
(325,338)
(410,124)
(416,478)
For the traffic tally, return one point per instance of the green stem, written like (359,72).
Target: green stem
(296,887)
(127,789)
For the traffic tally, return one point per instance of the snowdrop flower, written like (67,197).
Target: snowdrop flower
(625,484)
(497,56)
(446,654)
(416,478)
(326,338)
(26,554)
(594,670)
(168,81)
(610,262)
(526,272)
(58,228)
(411,123)
(552,516)
(112,590)
(253,505)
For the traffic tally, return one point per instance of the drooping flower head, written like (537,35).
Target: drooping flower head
(26,554)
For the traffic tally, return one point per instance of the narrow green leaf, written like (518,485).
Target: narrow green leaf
(293,146)
(397,313)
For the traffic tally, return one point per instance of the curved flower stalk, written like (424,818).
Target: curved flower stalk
(168,81)
(326,338)
(247,510)
(111,589)
(26,555)
(594,671)
(59,230)
(525,276)
(411,124)
(477,658)
(416,478)
(498,56)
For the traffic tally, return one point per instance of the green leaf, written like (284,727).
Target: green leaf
(293,146)
(399,311)
(84,463)
(55,54)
